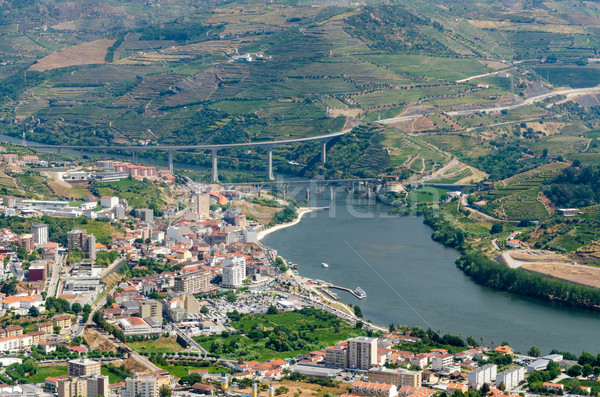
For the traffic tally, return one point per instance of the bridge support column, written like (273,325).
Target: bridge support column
(323,152)
(307,194)
(81,152)
(368,190)
(133,157)
(170,152)
(58,150)
(215,172)
(331,195)
(270,163)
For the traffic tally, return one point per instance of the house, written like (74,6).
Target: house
(202,388)
(513,244)
(505,349)
(454,387)
(367,389)
(554,386)
(52,381)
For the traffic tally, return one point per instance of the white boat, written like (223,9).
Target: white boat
(324,264)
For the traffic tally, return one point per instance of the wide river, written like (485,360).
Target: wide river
(412,280)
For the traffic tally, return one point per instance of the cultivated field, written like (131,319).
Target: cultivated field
(81,54)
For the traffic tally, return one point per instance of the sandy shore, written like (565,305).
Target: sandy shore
(301,212)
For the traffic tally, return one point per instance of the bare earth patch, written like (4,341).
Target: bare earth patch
(422,124)
(258,212)
(81,54)
(582,275)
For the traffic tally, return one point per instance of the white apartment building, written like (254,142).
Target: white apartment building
(109,202)
(481,375)
(234,271)
(511,377)
(40,233)
(141,386)
(441,361)
(362,353)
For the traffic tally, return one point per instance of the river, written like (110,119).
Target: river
(412,280)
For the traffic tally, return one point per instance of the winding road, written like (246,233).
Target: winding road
(569,93)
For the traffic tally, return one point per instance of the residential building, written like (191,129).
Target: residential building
(81,240)
(360,388)
(484,374)
(46,327)
(37,273)
(139,326)
(141,386)
(84,386)
(193,283)
(362,352)
(399,377)
(337,356)
(554,386)
(454,387)
(202,205)
(40,233)
(151,308)
(441,361)
(63,321)
(511,377)
(145,214)
(83,367)
(109,202)
(26,241)
(234,271)
(14,330)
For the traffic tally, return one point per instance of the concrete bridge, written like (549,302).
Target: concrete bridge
(214,149)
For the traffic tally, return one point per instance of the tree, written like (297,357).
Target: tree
(57,329)
(485,389)
(33,311)
(534,352)
(357,311)
(586,370)
(496,228)
(596,371)
(76,308)
(281,390)
(231,298)
(574,370)
(164,391)
(272,310)
(586,358)
(359,325)
(472,342)
(204,310)
(9,287)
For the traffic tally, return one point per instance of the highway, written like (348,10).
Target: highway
(571,92)
(318,138)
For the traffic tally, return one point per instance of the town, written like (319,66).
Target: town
(151,309)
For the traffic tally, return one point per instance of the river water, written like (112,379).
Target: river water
(412,280)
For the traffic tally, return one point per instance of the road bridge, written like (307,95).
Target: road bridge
(214,149)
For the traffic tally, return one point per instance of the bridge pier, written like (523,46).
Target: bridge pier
(133,157)
(270,163)
(331,194)
(81,152)
(307,194)
(323,152)
(170,152)
(215,172)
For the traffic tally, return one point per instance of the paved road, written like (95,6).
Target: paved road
(188,339)
(53,282)
(571,92)
(317,138)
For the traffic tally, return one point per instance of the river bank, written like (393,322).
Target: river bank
(301,212)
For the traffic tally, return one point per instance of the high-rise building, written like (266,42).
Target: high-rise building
(483,374)
(234,271)
(141,386)
(83,367)
(399,377)
(337,356)
(40,233)
(90,246)
(76,239)
(193,283)
(202,205)
(362,352)
(511,377)
(79,239)
(151,308)
(26,241)
(84,386)
(145,214)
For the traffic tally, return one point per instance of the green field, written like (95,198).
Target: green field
(162,345)
(313,332)
(43,372)
(435,67)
